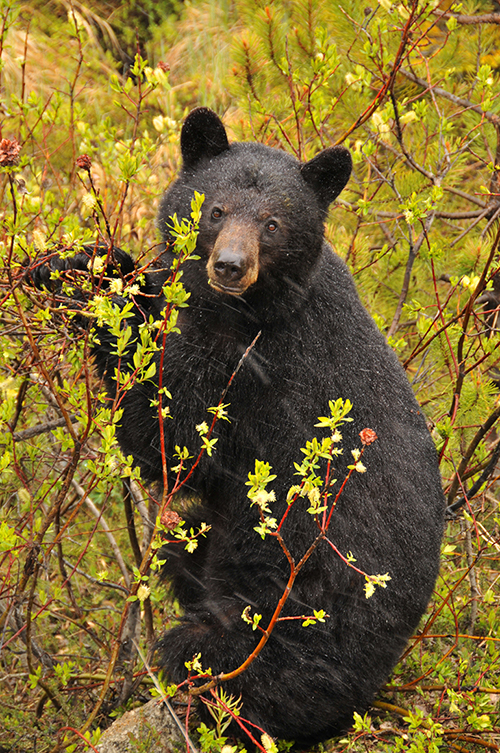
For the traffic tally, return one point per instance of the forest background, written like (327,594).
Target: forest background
(412,89)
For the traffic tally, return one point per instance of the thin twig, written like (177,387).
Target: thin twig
(165,701)
(105,527)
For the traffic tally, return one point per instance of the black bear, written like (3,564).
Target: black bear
(264,267)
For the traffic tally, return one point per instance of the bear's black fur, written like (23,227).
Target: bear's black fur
(265,267)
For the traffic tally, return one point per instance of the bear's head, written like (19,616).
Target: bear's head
(263,213)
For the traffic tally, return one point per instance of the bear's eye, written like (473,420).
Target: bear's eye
(272,226)
(216,213)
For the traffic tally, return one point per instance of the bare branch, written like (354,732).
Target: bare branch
(102,522)
(33,431)
(106,583)
(465,103)
(464,195)
(487,18)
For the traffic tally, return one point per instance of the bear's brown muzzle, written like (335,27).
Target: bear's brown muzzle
(234,261)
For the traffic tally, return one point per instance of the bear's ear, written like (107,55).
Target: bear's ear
(202,135)
(327,173)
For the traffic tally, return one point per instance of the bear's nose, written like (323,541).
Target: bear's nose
(229,267)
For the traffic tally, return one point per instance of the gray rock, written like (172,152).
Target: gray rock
(149,728)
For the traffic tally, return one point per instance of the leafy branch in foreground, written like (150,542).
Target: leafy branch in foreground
(317,491)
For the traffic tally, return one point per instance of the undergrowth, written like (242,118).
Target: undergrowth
(412,90)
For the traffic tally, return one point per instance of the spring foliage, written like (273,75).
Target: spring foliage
(412,88)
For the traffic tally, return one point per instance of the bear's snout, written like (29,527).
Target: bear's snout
(229,267)
(234,261)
